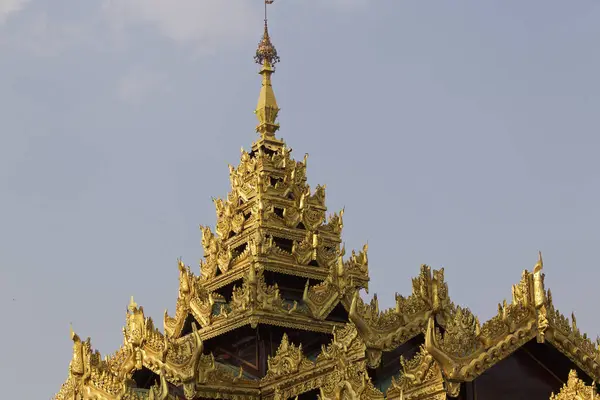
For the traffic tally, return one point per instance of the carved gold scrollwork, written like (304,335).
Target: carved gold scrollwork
(77,362)
(224,260)
(420,379)
(135,331)
(335,223)
(313,218)
(388,329)
(303,251)
(466,349)
(202,308)
(255,294)
(321,298)
(159,391)
(287,360)
(318,198)
(349,379)
(291,217)
(237,223)
(576,389)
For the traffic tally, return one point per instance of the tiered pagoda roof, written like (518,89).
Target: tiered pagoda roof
(275,265)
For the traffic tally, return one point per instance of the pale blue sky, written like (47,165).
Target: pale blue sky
(458,134)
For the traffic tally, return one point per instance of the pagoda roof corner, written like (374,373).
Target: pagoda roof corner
(467,348)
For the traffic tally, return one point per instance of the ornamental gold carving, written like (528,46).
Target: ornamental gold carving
(323,297)
(288,360)
(349,379)
(421,379)
(256,294)
(467,349)
(385,330)
(575,389)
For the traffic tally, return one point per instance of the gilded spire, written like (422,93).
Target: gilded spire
(266,109)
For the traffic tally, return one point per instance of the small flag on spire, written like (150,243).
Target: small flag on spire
(267,2)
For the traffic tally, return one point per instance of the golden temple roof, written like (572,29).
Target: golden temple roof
(462,352)
(272,227)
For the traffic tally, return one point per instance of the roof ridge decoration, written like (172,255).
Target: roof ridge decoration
(90,377)
(180,363)
(338,369)
(463,352)
(349,378)
(466,348)
(339,284)
(288,360)
(421,378)
(253,302)
(386,330)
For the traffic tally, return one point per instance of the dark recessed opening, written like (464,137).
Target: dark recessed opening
(338,314)
(187,325)
(145,379)
(274,181)
(533,371)
(264,149)
(283,244)
(250,348)
(547,355)
(227,290)
(291,287)
(390,362)
(310,395)
(267,150)
(278,211)
(313,263)
(239,250)
(301,226)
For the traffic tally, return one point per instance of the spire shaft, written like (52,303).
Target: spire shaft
(267,108)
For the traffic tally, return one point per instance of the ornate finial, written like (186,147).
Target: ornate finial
(540,263)
(72,333)
(267,108)
(266,51)
(132,305)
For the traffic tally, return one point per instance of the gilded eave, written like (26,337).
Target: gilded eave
(339,371)
(339,366)
(270,201)
(420,378)
(255,302)
(466,348)
(464,351)
(388,329)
